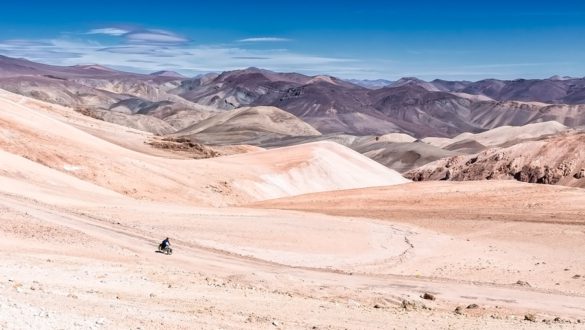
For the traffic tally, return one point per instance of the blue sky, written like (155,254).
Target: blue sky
(351,39)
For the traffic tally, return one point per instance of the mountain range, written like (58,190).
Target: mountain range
(329,104)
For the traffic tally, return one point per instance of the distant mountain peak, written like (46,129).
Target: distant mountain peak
(254,69)
(323,78)
(371,83)
(410,79)
(558,78)
(413,81)
(168,74)
(96,67)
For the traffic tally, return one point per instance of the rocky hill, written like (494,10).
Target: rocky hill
(558,159)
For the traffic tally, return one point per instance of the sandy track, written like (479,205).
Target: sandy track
(497,232)
(495,201)
(78,250)
(131,243)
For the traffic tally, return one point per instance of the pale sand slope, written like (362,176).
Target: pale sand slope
(51,186)
(268,119)
(45,137)
(500,231)
(249,125)
(400,152)
(136,121)
(502,135)
(76,256)
(473,97)
(393,138)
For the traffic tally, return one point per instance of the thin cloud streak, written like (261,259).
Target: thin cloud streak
(264,39)
(144,56)
(154,36)
(137,35)
(111,31)
(147,50)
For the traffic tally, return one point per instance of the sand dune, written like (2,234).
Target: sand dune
(44,138)
(309,167)
(139,122)
(502,135)
(502,225)
(28,178)
(398,151)
(249,125)
(403,157)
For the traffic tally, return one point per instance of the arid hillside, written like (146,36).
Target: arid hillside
(558,159)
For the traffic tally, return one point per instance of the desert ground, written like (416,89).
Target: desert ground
(314,236)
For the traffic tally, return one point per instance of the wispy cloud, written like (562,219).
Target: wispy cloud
(111,31)
(264,39)
(427,52)
(25,43)
(140,35)
(147,50)
(154,36)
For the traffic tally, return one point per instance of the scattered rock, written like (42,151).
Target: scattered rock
(411,305)
(72,296)
(253,318)
(43,314)
(182,144)
(152,295)
(378,306)
(428,296)
(523,283)
(275,323)
(576,276)
(448,176)
(530,317)
(472,306)
(458,310)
